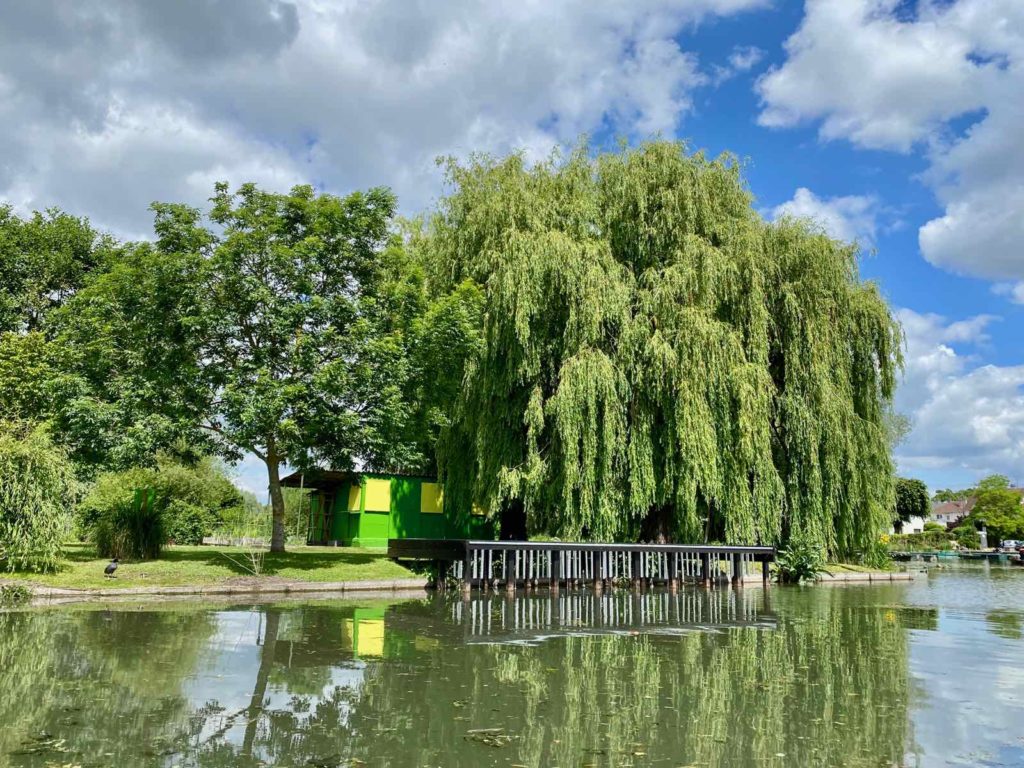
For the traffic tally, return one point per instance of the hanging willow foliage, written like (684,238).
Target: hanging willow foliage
(657,360)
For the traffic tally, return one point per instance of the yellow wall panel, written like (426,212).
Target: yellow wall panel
(378,495)
(370,637)
(431,498)
(353,497)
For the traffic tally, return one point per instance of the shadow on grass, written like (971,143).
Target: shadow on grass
(237,560)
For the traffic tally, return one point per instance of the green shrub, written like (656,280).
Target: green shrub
(14,594)
(190,502)
(130,531)
(37,491)
(912,542)
(931,526)
(801,560)
(967,536)
(186,523)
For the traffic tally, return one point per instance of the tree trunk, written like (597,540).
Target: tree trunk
(277,536)
(512,521)
(259,690)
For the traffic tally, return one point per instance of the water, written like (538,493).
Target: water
(923,674)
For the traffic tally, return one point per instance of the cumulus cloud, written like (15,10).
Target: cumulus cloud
(966,416)
(851,218)
(883,76)
(108,105)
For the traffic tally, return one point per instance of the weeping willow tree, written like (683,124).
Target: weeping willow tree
(659,362)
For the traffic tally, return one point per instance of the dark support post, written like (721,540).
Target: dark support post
(511,558)
(737,570)
(556,568)
(441,568)
(705,569)
(467,572)
(765,572)
(597,559)
(673,573)
(635,567)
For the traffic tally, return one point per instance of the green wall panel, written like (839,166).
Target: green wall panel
(405,520)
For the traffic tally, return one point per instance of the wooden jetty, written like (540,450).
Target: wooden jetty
(555,564)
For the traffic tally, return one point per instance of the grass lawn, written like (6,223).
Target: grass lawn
(195,566)
(840,567)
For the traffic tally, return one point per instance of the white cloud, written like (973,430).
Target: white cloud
(880,79)
(109,105)
(966,417)
(742,59)
(849,218)
(745,58)
(1014,291)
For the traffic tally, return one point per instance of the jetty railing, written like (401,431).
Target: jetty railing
(491,564)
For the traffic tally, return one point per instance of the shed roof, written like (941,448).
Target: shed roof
(329,478)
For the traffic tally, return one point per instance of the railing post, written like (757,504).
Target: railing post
(673,572)
(634,560)
(705,568)
(737,569)
(556,569)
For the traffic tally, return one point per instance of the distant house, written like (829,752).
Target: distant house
(950,513)
(914,525)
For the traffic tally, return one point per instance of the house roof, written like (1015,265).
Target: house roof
(959,508)
(329,478)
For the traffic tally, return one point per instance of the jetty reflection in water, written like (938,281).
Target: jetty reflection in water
(696,677)
(540,616)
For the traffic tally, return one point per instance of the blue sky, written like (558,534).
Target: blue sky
(893,123)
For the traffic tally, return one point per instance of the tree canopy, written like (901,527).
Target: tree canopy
(658,361)
(266,331)
(998,508)
(911,499)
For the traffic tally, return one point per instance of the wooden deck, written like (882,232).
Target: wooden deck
(555,564)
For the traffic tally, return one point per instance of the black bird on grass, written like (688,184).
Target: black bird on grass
(111,567)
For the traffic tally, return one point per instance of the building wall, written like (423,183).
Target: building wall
(382,507)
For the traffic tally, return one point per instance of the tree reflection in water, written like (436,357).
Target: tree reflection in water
(411,684)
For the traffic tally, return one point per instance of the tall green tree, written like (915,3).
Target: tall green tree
(658,361)
(44,259)
(911,499)
(999,508)
(264,331)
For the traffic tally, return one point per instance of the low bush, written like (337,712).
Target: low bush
(188,503)
(967,536)
(931,526)
(927,540)
(800,560)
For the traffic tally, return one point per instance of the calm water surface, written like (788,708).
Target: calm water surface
(923,674)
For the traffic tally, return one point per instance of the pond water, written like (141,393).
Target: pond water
(929,673)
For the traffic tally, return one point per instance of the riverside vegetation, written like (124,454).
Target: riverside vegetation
(601,345)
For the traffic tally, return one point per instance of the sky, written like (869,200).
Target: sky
(895,124)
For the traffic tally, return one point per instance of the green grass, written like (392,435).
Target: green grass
(840,567)
(207,565)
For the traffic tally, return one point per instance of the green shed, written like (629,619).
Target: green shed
(365,509)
